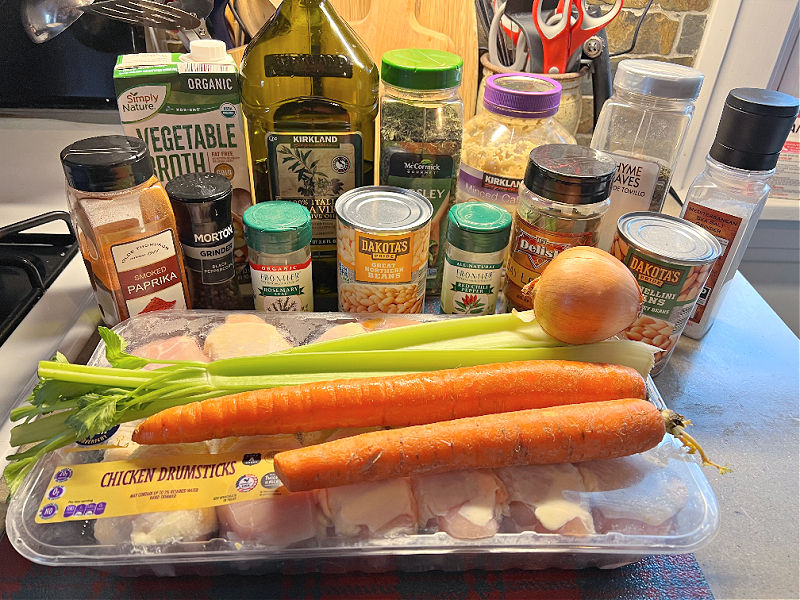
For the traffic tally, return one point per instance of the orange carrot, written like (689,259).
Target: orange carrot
(569,433)
(396,400)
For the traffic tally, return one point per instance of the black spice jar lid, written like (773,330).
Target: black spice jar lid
(753,128)
(106,163)
(570,174)
(199,187)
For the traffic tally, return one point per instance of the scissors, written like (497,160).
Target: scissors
(566,30)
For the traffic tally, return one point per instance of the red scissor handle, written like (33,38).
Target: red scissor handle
(555,35)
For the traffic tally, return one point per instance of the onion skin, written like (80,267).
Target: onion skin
(585,295)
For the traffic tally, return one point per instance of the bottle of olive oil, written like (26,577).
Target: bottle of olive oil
(310,98)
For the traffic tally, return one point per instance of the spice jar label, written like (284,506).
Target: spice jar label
(149,273)
(532,249)
(314,169)
(471,287)
(283,288)
(725,228)
(634,189)
(474,184)
(213,261)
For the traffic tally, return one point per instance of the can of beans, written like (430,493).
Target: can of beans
(382,239)
(671,259)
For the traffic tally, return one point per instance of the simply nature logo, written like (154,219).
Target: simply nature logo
(142,102)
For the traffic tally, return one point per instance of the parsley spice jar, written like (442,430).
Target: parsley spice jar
(202,206)
(278,235)
(562,201)
(422,119)
(477,239)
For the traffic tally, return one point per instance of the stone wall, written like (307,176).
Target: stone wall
(671,31)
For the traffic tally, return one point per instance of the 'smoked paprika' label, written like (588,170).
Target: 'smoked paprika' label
(532,249)
(149,273)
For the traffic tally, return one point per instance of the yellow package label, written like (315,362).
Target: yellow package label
(132,487)
(383,259)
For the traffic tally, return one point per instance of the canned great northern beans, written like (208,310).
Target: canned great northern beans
(671,259)
(382,238)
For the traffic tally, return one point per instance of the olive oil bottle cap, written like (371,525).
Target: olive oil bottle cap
(418,69)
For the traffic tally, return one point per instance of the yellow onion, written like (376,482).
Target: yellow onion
(586,295)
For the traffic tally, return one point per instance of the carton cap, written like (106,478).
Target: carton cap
(208,51)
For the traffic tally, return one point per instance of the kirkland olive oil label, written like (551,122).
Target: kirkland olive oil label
(149,273)
(432,176)
(473,287)
(137,486)
(314,169)
(283,287)
(308,65)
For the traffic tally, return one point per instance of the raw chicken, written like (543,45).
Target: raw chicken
(278,521)
(243,335)
(465,504)
(158,527)
(384,508)
(634,495)
(547,499)
(341,331)
(181,347)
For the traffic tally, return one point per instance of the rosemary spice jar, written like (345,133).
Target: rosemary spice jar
(643,125)
(475,249)
(278,235)
(519,115)
(562,201)
(202,206)
(421,125)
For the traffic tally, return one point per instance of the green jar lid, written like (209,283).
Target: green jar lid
(418,69)
(478,227)
(277,227)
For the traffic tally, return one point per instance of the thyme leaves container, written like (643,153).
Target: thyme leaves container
(643,124)
(477,240)
(278,235)
(561,204)
(382,241)
(422,120)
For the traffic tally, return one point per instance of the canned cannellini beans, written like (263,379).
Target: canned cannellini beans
(671,259)
(382,239)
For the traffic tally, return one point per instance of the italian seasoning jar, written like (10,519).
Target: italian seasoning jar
(202,206)
(643,125)
(519,116)
(278,235)
(475,249)
(422,120)
(562,201)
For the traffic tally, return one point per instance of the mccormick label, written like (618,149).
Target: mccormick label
(474,184)
(670,291)
(314,169)
(470,288)
(532,249)
(137,486)
(149,273)
(283,288)
(433,176)
(190,117)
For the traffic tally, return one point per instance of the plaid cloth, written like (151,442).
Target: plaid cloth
(675,577)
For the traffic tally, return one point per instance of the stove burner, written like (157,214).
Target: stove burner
(29,263)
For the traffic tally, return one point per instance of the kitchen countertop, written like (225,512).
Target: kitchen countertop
(739,385)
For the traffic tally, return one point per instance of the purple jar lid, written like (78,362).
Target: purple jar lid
(524,95)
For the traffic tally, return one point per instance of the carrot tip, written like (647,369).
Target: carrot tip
(675,424)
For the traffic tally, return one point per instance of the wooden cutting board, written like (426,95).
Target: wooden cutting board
(441,24)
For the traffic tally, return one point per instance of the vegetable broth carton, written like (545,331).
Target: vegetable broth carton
(187,109)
